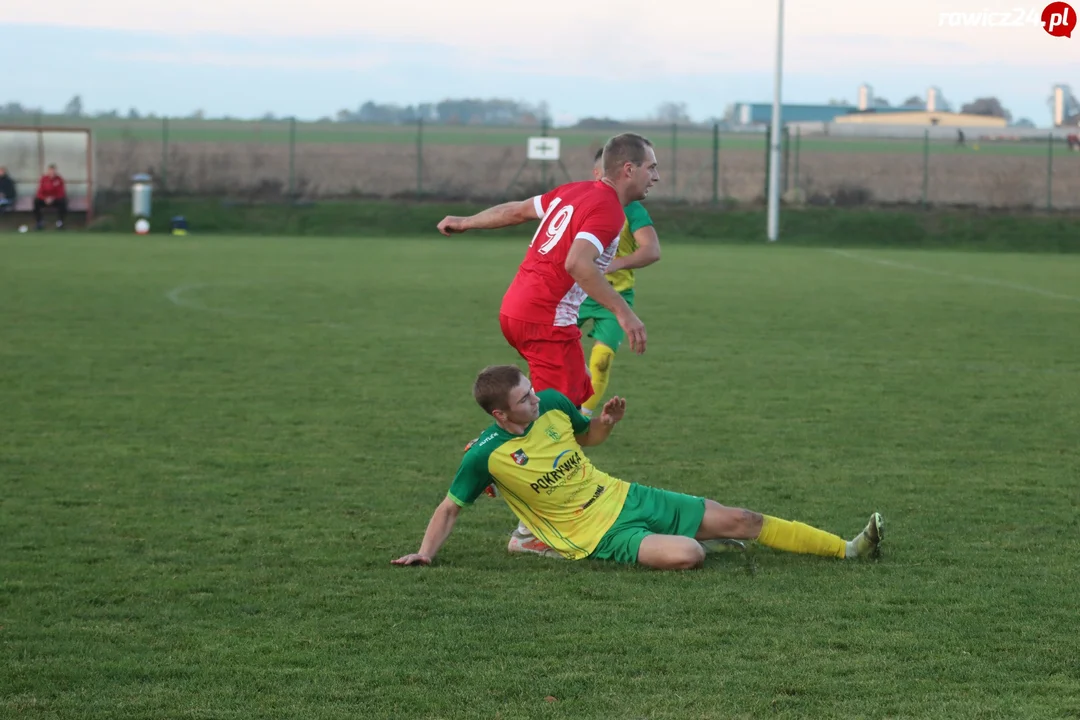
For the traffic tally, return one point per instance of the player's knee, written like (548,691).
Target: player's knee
(688,557)
(721,521)
(751,522)
(696,556)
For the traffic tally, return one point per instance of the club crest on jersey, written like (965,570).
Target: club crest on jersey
(520,457)
(553,433)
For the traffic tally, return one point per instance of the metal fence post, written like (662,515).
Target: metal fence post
(926,167)
(1050,172)
(798,139)
(765,189)
(164,153)
(292,157)
(716,163)
(787,159)
(419,158)
(674,160)
(543,163)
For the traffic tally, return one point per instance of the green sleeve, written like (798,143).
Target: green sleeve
(471,479)
(555,399)
(637,216)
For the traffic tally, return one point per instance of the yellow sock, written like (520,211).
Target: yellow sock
(600,368)
(797,537)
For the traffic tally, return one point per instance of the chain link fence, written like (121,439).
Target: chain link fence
(823,164)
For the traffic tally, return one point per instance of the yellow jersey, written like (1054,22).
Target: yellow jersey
(637,217)
(545,478)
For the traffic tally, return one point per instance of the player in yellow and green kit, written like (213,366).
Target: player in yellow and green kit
(639,246)
(533,454)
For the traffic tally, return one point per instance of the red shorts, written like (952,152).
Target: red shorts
(556,360)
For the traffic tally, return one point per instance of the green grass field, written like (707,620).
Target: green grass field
(211,448)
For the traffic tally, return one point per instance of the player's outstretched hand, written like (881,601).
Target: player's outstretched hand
(414,559)
(635,332)
(452,224)
(613,411)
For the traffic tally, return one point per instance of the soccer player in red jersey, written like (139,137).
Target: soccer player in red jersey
(575,242)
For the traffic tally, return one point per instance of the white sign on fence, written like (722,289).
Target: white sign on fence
(543,148)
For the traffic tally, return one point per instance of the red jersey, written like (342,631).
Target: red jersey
(543,291)
(51,187)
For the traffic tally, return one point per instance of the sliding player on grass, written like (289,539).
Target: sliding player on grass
(533,454)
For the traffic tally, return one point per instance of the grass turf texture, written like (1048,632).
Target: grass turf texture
(210,449)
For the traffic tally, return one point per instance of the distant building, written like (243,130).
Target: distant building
(761,113)
(921,117)
(866,97)
(869,110)
(1066,107)
(935,100)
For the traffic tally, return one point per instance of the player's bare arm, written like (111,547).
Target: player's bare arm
(647,253)
(600,428)
(581,264)
(499,216)
(438,530)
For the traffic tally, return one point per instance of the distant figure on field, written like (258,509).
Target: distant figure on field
(51,193)
(7,191)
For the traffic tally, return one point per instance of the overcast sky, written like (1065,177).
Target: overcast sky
(583,57)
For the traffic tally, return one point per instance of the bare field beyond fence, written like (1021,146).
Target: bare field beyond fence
(279,159)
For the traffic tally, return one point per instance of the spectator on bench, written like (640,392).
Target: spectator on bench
(50,192)
(7,191)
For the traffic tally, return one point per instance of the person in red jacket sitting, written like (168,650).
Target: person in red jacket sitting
(51,193)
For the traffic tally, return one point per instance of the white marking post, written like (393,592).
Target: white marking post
(543,148)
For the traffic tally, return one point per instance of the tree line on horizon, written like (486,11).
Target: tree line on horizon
(479,111)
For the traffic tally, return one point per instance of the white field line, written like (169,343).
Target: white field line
(958,276)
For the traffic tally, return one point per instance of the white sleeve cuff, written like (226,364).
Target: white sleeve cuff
(593,239)
(538,206)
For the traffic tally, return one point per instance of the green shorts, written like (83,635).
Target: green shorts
(605,328)
(649,510)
